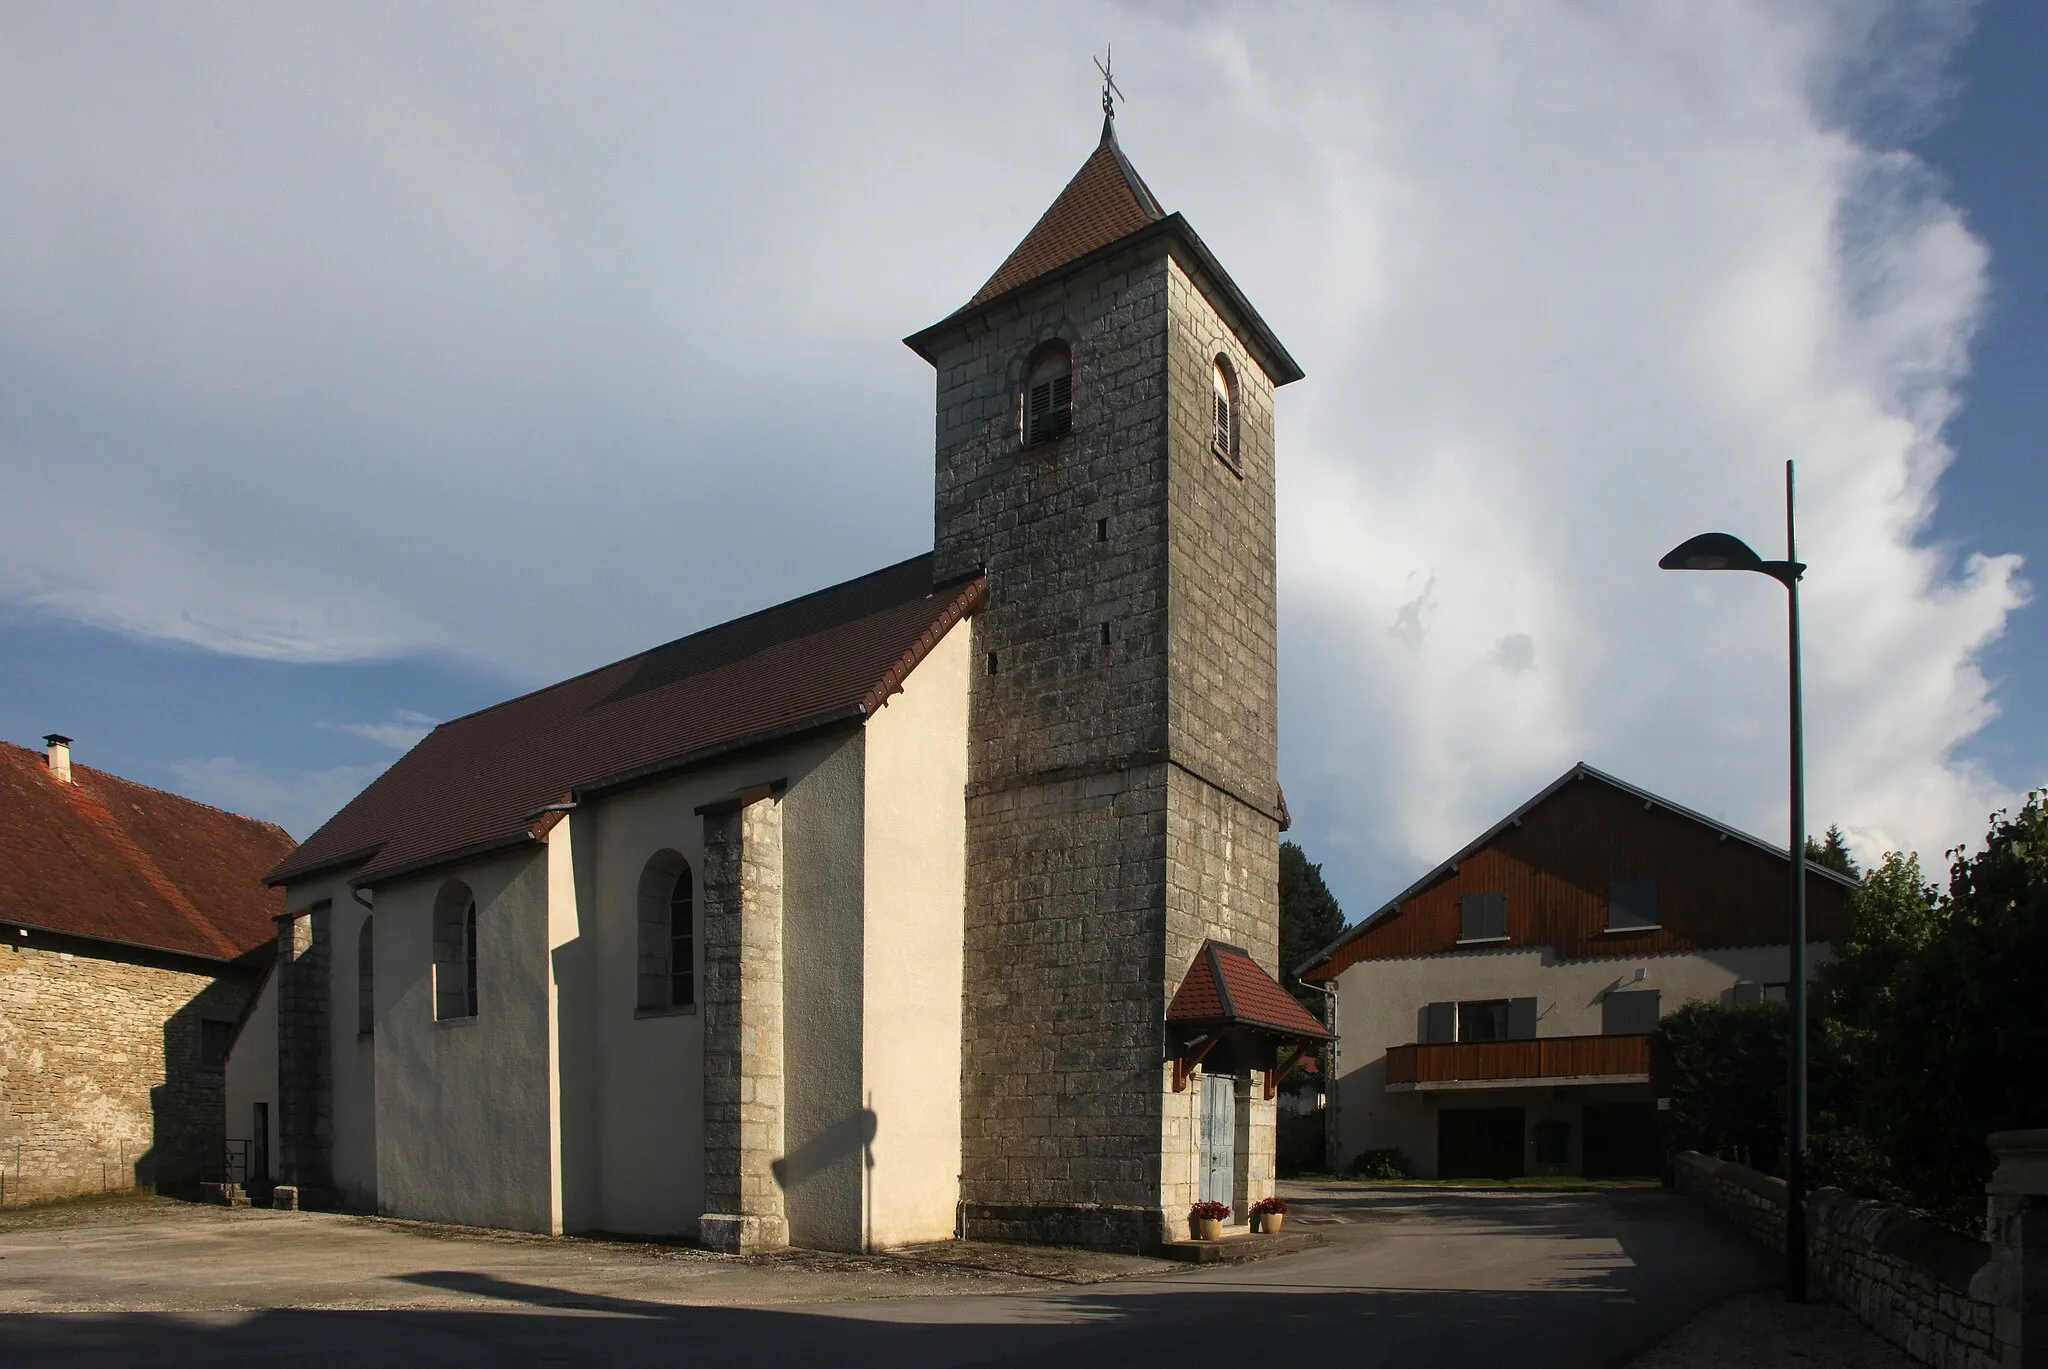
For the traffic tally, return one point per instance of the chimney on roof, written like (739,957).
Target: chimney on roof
(60,757)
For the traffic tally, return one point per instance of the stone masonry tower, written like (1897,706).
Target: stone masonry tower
(1105,455)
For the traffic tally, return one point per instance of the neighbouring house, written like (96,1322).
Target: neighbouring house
(941,901)
(1493,1018)
(136,926)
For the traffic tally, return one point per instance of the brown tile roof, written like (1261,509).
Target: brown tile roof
(1106,200)
(482,782)
(107,858)
(1226,988)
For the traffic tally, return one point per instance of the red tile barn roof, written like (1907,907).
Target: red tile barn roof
(106,858)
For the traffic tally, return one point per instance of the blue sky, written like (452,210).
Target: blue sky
(359,368)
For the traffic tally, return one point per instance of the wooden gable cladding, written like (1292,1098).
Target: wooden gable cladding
(1555,865)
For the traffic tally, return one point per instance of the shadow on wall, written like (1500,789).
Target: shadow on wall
(188,1110)
(850,1135)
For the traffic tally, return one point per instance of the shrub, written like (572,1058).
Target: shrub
(1724,1070)
(1388,1163)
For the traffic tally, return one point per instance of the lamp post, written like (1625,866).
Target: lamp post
(1721,551)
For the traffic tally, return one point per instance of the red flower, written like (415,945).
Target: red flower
(1210,1210)
(1274,1204)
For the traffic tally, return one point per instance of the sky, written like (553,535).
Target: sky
(363,365)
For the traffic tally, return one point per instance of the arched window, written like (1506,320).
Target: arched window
(1049,394)
(366,981)
(668,933)
(1223,406)
(454,952)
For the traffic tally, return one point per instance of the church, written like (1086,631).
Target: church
(939,903)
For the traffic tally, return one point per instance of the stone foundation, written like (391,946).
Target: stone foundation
(1128,1230)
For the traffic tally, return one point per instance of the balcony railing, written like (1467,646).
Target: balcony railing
(1545,1058)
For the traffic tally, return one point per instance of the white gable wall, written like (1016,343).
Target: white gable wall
(915,878)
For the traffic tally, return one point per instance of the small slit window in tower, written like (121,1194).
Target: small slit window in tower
(1049,394)
(1105,634)
(1223,395)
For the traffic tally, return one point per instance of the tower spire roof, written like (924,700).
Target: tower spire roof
(1106,200)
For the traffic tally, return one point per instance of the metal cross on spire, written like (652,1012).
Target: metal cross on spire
(1102,64)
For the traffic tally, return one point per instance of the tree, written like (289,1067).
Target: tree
(1833,852)
(1309,919)
(1933,1034)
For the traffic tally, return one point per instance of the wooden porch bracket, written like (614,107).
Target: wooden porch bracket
(1190,1056)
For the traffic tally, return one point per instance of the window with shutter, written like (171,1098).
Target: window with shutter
(1049,394)
(1631,905)
(1439,1024)
(1483,917)
(1521,1019)
(1746,993)
(1484,1019)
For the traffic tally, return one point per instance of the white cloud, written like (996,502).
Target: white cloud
(401,733)
(298,804)
(329,333)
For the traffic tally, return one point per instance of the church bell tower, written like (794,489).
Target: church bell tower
(1105,457)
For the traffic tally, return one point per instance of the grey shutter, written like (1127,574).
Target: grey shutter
(1471,913)
(1747,993)
(1439,1023)
(1629,1013)
(1521,1019)
(1496,914)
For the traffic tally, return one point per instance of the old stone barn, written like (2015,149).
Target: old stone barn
(136,925)
(942,901)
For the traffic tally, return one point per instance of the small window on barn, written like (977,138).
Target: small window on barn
(1223,415)
(1631,905)
(455,993)
(366,981)
(1483,917)
(1049,394)
(668,934)
(213,1042)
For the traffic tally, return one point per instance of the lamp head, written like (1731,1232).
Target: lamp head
(1711,551)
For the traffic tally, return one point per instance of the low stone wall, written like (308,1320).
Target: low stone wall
(1915,1284)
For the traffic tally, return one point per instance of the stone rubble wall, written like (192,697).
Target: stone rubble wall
(743,1074)
(1905,1278)
(101,1085)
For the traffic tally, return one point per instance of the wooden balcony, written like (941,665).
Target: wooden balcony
(1506,1064)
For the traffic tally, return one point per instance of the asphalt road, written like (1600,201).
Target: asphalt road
(1409,1278)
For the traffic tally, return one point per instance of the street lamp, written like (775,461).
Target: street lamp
(1721,551)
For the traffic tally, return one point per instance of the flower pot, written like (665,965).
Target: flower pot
(1208,1228)
(1270,1222)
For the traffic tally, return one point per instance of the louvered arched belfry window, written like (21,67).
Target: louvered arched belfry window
(1223,418)
(1049,393)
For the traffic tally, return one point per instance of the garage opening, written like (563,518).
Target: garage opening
(1479,1143)
(1621,1141)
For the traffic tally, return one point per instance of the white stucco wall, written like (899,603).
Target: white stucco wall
(1379,1003)
(465,1108)
(352,1061)
(251,1074)
(647,1102)
(915,875)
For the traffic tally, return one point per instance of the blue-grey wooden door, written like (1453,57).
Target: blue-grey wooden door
(1219,1138)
